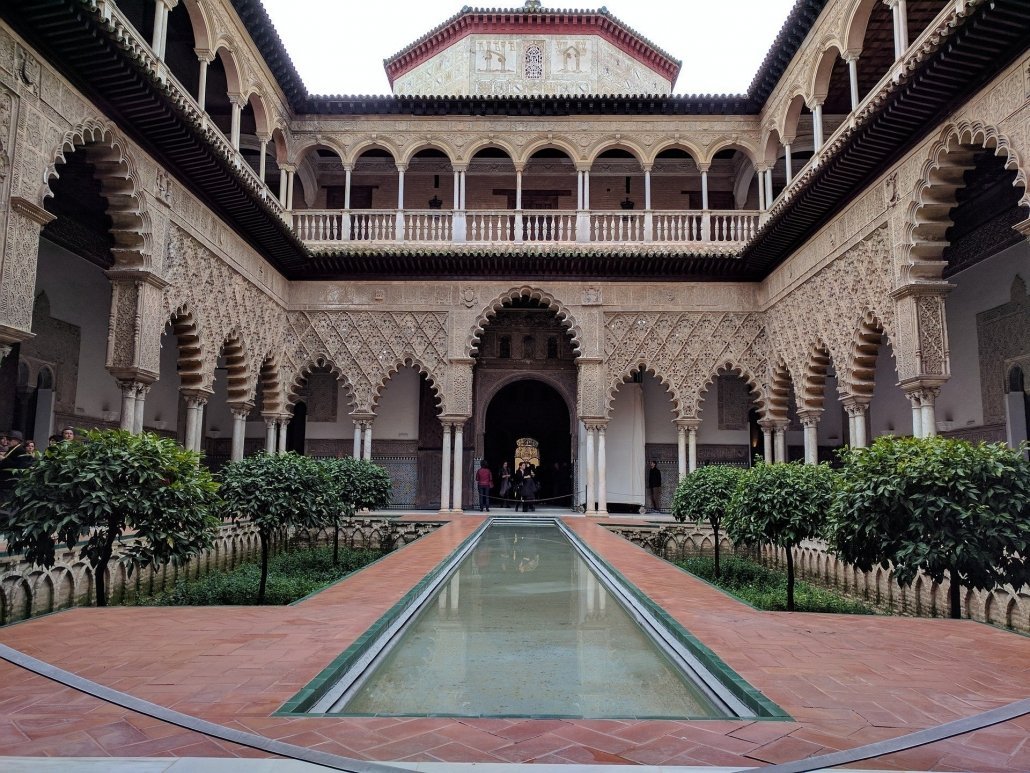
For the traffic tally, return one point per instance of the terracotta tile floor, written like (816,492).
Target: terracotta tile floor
(845,680)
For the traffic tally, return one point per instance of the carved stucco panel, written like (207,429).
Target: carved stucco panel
(826,310)
(366,347)
(223,303)
(684,350)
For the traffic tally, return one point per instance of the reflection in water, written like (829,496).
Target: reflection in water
(525,628)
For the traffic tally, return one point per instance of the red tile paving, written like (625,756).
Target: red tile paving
(846,680)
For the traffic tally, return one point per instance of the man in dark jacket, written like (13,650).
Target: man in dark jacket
(654,483)
(16,458)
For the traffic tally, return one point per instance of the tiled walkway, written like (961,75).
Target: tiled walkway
(846,680)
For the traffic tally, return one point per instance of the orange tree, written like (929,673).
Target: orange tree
(89,495)
(705,495)
(948,508)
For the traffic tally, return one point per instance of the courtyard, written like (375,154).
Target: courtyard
(845,681)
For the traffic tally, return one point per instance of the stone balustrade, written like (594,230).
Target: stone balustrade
(328,227)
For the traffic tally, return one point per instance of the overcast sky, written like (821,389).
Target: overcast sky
(339,46)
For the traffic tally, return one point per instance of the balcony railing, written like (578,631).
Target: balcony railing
(324,227)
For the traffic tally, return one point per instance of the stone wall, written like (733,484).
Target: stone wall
(1004,606)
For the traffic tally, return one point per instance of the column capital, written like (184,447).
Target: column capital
(595,424)
(459,167)
(646,167)
(241,408)
(583,166)
(169,4)
(921,390)
(685,424)
(270,419)
(703,167)
(401,167)
(761,167)
(855,406)
(918,289)
(287,167)
(520,166)
(237,100)
(850,55)
(196,397)
(810,416)
(205,55)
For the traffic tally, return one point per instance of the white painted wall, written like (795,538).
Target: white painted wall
(624,447)
(397,413)
(709,431)
(658,412)
(984,286)
(162,405)
(890,412)
(80,294)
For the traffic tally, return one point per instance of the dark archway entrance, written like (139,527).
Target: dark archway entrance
(531,409)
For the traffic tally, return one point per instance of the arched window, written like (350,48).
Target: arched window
(534,63)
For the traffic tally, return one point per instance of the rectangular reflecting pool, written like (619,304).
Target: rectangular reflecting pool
(524,621)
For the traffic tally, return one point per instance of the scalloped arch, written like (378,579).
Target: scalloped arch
(238,369)
(813,380)
(321,360)
(190,347)
(409,361)
(525,291)
(120,185)
(272,398)
(640,365)
(860,377)
(737,369)
(781,382)
(928,216)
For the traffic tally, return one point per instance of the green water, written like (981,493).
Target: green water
(524,628)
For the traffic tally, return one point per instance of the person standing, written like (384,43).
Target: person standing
(518,479)
(485,482)
(505,491)
(530,489)
(654,483)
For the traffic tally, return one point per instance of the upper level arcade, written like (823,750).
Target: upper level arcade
(304,176)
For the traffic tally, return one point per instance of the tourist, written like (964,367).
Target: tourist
(505,476)
(485,482)
(654,483)
(68,434)
(31,450)
(4,444)
(517,481)
(529,492)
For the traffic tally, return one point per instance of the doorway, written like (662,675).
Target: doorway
(530,418)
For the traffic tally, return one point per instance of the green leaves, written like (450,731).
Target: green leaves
(782,504)
(705,494)
(946,507)
(111,484)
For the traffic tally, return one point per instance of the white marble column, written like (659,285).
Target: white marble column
(141,401)
(239,432)
(456,503)
(900,14)
(768,188)
(852,60)
(356,453)
(159,42)
(648,214)
(367,442)
(691,449)
(762,204)
(270,435)
(927,411)
(205,58)
(290,172)
(704,185)
(817,125)
(810,422)
(518,189)
(602,472)
(768,455)
(262,160)
(917,413)
(780,443)
(236,102)
(789,163)
(681,451)
(857,413)
(194,421)
(284,423)
(445,470)
(128,416)
(591,500)
(519,235)
(399,222)
(282,187)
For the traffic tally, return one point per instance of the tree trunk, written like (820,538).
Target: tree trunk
(790,579)
(264,566)
(954,597)
(336,541)
(100,570)
(715,530)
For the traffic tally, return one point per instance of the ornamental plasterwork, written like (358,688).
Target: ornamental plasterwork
(223,303)
(827,309)
(365,347)
(684,351)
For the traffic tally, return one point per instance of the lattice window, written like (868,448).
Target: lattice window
(534,63)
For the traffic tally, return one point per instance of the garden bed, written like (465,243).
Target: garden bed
(766,588)
(291,576)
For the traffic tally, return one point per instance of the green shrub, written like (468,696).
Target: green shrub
(705,495)
(765,588)
(291,576)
